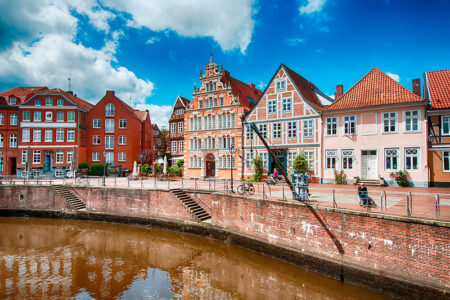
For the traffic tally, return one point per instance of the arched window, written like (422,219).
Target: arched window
(110,110)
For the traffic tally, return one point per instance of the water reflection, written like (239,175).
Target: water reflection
(85,260)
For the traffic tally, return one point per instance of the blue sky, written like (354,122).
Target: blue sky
(151,51)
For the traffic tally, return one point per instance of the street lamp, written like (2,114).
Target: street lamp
(104,167)
(231,148)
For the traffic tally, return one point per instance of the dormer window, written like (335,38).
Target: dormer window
(109,110)
(13,100)
(37,102)
(281,85)
(210,87)
(48,101)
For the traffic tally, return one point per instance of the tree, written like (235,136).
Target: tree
(300,164)
(258,163)
(145,157)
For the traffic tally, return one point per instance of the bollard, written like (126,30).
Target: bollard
(334,200)
(214,185)
(181,182)
(264,193)
(115,181)
(408,213)
(155,180)
(410,203)
(437,206)
(283,192)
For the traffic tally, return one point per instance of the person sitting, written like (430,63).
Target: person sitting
(275,174)
(363,195)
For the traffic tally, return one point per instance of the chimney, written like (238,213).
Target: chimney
(70,92)
(416,87)
(339,91)
(110,93)
(252,85)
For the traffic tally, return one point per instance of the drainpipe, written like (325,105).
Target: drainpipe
(242,151)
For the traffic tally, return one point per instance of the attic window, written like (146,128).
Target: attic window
(352,98)
(12,100)
(396,92)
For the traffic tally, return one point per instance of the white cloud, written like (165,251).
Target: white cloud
(153,40)
(295,41)
(159,114)
(261,85)
(393,76)
(230,23)
(312,6)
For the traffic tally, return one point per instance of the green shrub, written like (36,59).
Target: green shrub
(300,164)
(84,165)
(147,169)
(175,169)
(401,177)
(179,163)
(258,167)
(96,169)
(158,168)
(340,177)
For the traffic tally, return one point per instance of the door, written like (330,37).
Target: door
(12,163)
(210,164)
(369,164)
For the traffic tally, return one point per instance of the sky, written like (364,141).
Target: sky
(151,51)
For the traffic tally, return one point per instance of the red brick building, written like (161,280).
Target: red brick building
(176,129)
(52,135)
(117,133)
(9,126)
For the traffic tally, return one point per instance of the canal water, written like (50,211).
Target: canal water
(60,259)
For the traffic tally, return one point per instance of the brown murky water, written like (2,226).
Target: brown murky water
(46,258)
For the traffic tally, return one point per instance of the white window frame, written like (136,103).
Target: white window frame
(286,105)
(122,140)
(96,140)
(26,113)
(26,135)
(389,118)
(60,102)
(59,157)
(2,119)
(110,110)
(331,126)
(411,117)
(48,135)
(174,146)
(49,101)
(277,133)
(347,155)
(109,158)
(349,122)
(37,102)
(59,113)
(71,113)
(308,128)
(96,123)
(310,157)
(69,156)
(2,140)
(109,126)
(291,155)
(122,123)
(389,154)
(263,130)
(95,156)
(280,85)
(36,157)
(109,142)
(13,101)
(24,156)
(37,135)
(70,135)
(291,129)
(180,127)
(249,156)
(445,119)
(446,157)
(248,133)
(13,120)
(180,146)
(406,155)
(272,106)
(122,156)
(329,156)
(37,114)
(13,141)
(173,128)
(60,135)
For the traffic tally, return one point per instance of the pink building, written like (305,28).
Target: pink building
(375,128)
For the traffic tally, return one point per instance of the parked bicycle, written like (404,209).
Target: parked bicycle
(246,187)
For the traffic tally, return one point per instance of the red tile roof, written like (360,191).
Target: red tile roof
(306,88)
(74,99)
(374,89)
(22,93)
(141,115)
(248,95)
(438,85)
(185,101)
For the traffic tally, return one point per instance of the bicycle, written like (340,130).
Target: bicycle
(246,187)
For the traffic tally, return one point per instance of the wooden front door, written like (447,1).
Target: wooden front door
(369,164)
(210,165)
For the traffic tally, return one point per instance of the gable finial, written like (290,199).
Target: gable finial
(210,60)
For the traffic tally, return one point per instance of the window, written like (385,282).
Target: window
(221,101)
(96,123)
(49,101)
(173,128)
(290,159)
(446,161)
(1,140)
(200,103)
(390,159)
(69,156)
(37,116)
(70,116)
(60,135)
(109,159)
(180,146)
(48,135)
(36,156)
(330,159)
(226,162)
(445,125)
(292,130)
(309,156)
(349,125)
(308,128)
(109,142)
(48,116)
(36,135)
(265,159)
(122,156)
(249,156)
(24,157)
(226,142)
(59,157)
(95,156)
(26,135)
(276,130)
(96,140)
(412,159)
(71,135)
(13,120)
(179,111)
(287,105)
(331,124)
(210,143)
(26,116)
(389,120)
(12,101)
(195,144)
(12,140)
(195,162)
(122,123)
(249,133)
(2,119)
(174,146)
(122,140)
(109,126)
(272,106)
(263,130)
(37,102)
(60,102)
(347,159)
(109,110)
(180,127)
(60,116)
(412,120)
(281,85)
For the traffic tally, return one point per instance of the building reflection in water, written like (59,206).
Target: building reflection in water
(42,258)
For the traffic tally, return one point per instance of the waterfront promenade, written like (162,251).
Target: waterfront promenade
(427,203)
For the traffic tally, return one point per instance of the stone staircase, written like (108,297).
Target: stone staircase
(73,201)
(197,212)
(371,182)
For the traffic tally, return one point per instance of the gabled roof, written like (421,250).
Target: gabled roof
(141,115)
(183,100)
(248,95)
(73,98)
(22,93)
(438,86)
(155,127)
(374,89)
